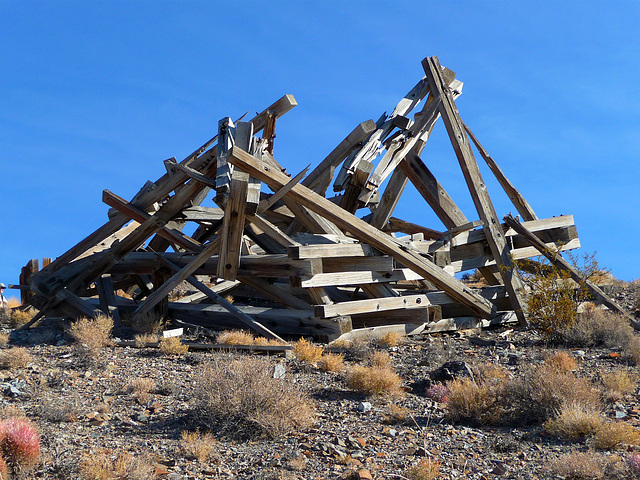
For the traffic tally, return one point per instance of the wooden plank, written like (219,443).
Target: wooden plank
(556,259)
(272,231)
(379,263)
(298,252)
(311,220)
(358,180)
(372,305)
(337,155)
(389,199)
(477,188)
(399,225)
(358,278)
(363,232)
(432,191)
(244,139)
(514,195)
(173,235)
(269,202)
(107,297)
(319,296)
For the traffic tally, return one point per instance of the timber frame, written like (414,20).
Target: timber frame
(306,264)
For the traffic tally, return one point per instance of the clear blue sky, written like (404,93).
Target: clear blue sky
(97,94)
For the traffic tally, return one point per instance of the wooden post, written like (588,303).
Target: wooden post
(107,297)
(477,188)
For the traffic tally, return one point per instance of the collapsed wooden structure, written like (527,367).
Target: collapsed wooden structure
(314,265)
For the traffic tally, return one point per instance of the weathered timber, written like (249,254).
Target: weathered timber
(477,188)
(362,230)
(107,296)
(372,305)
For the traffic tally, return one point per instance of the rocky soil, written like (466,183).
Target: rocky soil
(85,408)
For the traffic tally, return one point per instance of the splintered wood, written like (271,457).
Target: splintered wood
(295,261)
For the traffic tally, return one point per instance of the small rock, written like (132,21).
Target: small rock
(364,475)
(579,353)
(364,407)
(620,414)
(279,371)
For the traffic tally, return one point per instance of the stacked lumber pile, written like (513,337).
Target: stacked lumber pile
(311,264)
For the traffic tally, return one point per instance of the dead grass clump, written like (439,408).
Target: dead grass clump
(531,398)
(143,339)
(14,357)
(235,337)
(263,341)
(579,466)
(574,421)
(4,339)
(241,398)
(197,446)
(341,343)
(173,346)
(391,339)
(382,381)
(594,327)
(92,335)
(307,352)
(615,435)
(562,361)
(618,385)
(18,317)
(331,362)
(59,410)
(425,469)
(102,465)
(380,359)
(475,402)
(141,388)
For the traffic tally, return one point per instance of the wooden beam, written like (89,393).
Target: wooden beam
(233,227)
(362,231)
(327,166)
(389,199)
(107,297)
(431,190)
(372,305)
(477,188)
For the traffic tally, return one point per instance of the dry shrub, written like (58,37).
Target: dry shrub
(618,385)
(235,337)
(375,381)
(297,464)
(475,402)
(579,466)
(143,339)
(14,357)
(615,435)
(331,362)
(396,414)
(13,302)
(341,343)
(201,447)
(561,361)
(4,339)
(391,339)
(595,327)
(102,465)
(140,388)
(241,398)
(18,317)
(307,352)
(92,335)
(574,421)
(173,346)
(262,341)
(532,398)
(425,469)
(380,359)
(59,410)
